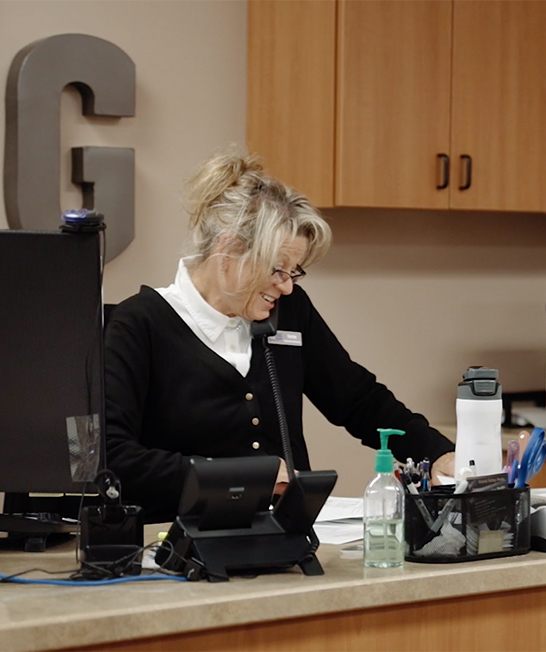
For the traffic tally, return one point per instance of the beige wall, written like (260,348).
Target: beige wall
(190,62)
(415,296)
(419,296)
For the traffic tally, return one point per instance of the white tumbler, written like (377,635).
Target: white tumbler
(479,416)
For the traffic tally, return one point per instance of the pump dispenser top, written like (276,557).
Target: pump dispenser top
(384,459)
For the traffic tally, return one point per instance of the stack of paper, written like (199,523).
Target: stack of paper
(532,414)
(340,520)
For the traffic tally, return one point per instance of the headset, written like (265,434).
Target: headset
(82,220)
(109,486)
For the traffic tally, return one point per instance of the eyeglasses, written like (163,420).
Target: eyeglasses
(281,276)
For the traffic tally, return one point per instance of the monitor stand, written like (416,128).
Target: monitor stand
(34,532)
(34,522)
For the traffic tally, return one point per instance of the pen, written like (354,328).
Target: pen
(513,472)
(410,469)
(425,474)
(512,454)
(418,501)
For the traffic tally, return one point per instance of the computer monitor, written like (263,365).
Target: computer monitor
(51,381)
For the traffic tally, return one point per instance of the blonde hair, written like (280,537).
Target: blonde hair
(232,199)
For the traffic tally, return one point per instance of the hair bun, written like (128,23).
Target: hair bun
(235,202)
(216,176)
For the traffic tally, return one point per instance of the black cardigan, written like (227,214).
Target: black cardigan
(168,396)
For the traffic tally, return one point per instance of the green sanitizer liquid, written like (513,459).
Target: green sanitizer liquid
(384,543)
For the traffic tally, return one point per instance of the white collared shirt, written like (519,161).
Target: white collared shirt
(229,337)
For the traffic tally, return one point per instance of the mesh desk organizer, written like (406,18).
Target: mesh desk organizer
(444,527)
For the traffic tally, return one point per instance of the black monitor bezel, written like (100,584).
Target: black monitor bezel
(51,321)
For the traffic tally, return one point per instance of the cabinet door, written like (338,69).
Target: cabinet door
(499,104)
(291,67)
(393,94)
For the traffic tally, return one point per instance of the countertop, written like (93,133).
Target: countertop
(48,617)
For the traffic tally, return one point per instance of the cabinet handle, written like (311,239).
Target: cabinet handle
(443,160)
(466,171)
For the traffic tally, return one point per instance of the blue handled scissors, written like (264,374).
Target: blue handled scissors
(533,458)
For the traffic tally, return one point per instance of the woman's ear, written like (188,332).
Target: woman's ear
(228,248)
(224,262)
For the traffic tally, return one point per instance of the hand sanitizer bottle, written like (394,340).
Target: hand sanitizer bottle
(384,511)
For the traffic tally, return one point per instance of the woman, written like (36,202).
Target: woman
(183,374)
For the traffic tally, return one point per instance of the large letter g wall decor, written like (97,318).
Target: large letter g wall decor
(105,77)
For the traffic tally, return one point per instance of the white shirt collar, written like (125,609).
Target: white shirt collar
(211,322)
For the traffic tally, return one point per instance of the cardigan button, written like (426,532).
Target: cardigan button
(249,396)
(255,445)
(255,421)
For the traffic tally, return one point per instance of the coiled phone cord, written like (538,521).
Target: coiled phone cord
(279,406)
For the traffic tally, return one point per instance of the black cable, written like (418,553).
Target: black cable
(285,435)
(279,406)
(111,568)
(100,330)
(314,541)
(98,322)
(193,567)
(78,533)
(96,343)
(8,578)
(89,365)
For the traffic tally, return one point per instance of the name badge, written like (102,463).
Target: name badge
(285,338)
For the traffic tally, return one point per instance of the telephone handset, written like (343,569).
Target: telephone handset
(268,326)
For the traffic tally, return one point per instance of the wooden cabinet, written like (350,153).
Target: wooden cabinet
(373,102)
(291,92)
(393,97)
(499,103)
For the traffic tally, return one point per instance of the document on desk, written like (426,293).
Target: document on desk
(538,496)
(534,415)
(340,520)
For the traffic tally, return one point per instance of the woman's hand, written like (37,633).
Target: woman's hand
(282,478)
(444,465)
